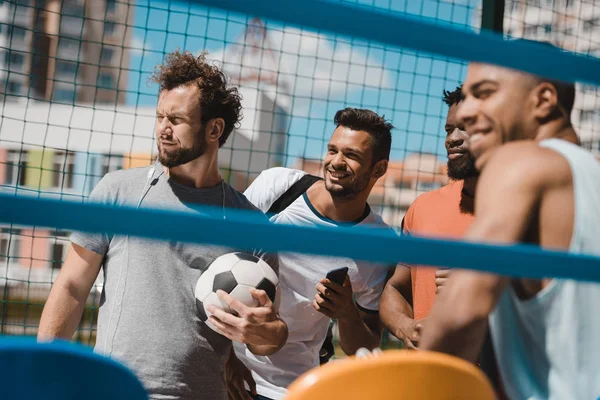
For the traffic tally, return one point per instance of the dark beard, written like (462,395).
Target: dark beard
(346,193)
(182,156)
(463,169)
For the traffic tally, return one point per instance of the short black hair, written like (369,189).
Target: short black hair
(454,97)
(366,120)
(565,91)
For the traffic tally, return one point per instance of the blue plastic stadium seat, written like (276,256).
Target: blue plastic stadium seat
(62,370)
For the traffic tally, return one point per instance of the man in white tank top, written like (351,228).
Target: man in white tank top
(536,186)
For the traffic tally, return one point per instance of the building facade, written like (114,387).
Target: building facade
(65,50)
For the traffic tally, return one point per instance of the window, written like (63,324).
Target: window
(66,68)
(106,80)
(69,45)
(73,8)
(107,55)
(587,25)
(406,185)
(111,6)
(63,95)
(18,32)
(22,11)
(16,60)
(59,245)
(586,88)
(16,164)
(14,87)
(63,168)
(111,163)
(530,31)
(109,28)
(590,24)
(10,244)
(589,116)
(569,31)
(71,25)
(547,28)
(426,186)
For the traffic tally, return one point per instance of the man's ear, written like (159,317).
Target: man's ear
(380,168)
(545,99)
(214,129)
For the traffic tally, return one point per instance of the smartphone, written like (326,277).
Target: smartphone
(338,275)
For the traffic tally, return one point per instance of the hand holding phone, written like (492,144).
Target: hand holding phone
(338,275)
(335,302)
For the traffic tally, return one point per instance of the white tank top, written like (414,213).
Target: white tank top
(548,347)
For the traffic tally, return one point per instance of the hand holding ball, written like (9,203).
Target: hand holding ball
(235,274)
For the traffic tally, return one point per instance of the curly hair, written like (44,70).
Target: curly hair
(216,99)
(454,97)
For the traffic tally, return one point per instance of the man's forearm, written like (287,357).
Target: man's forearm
(61,314)
(455,335)
(354,334)
(458,321)
(279,332)
(394,309)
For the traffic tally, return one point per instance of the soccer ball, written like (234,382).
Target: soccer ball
(236,274)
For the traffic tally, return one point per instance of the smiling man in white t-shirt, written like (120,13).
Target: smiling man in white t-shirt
(357,156)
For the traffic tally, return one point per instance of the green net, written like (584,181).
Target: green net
(76,104)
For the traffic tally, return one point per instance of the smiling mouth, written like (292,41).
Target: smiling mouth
(455,155)
(337,175)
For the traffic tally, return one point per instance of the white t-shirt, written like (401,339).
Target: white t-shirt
(299,274)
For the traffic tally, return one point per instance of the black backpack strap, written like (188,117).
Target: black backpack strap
(290,195)
(327,349)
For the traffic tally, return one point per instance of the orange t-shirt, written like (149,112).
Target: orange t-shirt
(435,214)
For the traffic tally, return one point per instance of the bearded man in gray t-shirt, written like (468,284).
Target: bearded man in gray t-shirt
(148,317)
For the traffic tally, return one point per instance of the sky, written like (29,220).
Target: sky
(323,72)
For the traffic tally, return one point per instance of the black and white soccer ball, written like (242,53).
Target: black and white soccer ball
(236,274)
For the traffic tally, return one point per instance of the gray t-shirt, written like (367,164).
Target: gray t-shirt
(148,317)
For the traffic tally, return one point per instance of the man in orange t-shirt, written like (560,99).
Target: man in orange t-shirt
(435,214)
(445,213)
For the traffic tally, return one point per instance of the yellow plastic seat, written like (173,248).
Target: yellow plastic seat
(394,374)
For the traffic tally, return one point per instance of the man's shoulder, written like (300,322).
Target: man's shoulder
(434,196)
(527,163)
(127,176)
(534,151)
(375,219)
(120,182)
(240,201)
(270,185)
(279,175)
